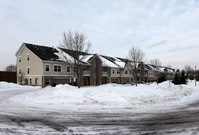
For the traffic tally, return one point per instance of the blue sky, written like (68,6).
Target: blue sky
(163,29)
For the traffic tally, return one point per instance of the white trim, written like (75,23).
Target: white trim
(54,68)
(60,62)
(50,75)
(19,59)
(20,70)
(45,67)
(20,49)
(113,71)
(28,57)
(67,69)
(27,70)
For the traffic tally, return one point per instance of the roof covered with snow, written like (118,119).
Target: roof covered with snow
(43,52)
(112,61)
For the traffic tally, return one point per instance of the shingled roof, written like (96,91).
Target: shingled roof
(43,52)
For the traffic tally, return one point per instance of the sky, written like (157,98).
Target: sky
(164,29)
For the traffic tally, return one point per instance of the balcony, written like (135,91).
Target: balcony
(104,74)
(86,73)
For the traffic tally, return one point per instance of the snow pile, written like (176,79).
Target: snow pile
(114,94)
(13,86)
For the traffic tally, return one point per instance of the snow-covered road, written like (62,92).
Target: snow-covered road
(17,118)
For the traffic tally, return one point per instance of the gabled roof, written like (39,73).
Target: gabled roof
(43,52)
(112,61)
(73,53)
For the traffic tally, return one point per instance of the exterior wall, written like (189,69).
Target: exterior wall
(114,73)
(34,64)
(63,72)
(96,71)
(58,77)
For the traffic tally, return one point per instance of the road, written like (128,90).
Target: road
(17,119)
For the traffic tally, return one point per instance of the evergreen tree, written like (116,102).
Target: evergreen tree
(180,78)
(176,79)
(161,78)
(183,78)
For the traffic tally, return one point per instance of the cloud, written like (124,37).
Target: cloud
(160,43)
(164,29)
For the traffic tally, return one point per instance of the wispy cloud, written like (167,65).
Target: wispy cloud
(160,43)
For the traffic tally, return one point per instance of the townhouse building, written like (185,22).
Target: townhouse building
(42,66)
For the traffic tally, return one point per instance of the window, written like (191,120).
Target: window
(20,71)
(75,69)
(28,70)
(28,57)
(19,58)
(126,71)
(47,81)
(113,71)
(47,67)
(118,71)
(68,69)
(30,80)
(57,68)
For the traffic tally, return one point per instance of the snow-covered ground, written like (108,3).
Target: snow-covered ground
(164,95)
(125,109)
(12,86)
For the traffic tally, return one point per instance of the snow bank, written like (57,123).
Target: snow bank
(13,86)
(115,95)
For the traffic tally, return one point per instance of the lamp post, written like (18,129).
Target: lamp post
(195,76)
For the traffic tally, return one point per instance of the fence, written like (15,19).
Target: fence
(8,76)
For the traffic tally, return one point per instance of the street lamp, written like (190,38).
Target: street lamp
(195,76)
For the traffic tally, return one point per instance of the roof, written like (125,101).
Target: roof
(43,52)
(112,61)
(73,53)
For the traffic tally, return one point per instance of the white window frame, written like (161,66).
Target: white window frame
(20,59)
(57,68)
(118,71)
(126,72)
(28,57)
(113,71)
(20,71)
(45,67)
(28,70)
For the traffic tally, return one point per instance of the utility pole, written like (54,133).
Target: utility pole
(195,76)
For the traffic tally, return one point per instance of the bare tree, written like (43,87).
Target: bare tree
(155,62)
(188,68)
(76,45)
(11,68)
(189,71)
(21,78)
(136,56)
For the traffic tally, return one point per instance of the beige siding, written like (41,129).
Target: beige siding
(115,74)
(63,69)
(34,64)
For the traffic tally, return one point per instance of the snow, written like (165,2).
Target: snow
(114,95)
(108,63)
(109,95)
(13,86)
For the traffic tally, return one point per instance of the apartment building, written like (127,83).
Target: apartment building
(42,66)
